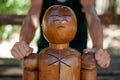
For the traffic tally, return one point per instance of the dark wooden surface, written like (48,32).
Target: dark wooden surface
(110,19)
(11,19)
(11,69)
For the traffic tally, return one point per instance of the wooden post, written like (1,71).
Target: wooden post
(31,67)
(88,65)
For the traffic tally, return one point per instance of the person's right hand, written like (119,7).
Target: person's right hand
(20,50)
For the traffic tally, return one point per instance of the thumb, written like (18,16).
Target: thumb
(30,51)
(88,50)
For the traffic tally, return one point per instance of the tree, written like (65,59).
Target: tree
(12,7)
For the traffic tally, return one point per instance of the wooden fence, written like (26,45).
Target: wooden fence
(14,19)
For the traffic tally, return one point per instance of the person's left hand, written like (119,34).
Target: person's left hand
(102,56)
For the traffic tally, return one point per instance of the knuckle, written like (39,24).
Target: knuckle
(99,63)
(102,66)
(97,59)
(13,51)
(110,59)
(23,42)
(12,54)
(17,58)
(16,44)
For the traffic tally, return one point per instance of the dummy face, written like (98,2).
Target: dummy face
(59,24)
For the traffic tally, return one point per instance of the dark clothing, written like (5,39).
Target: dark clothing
(80,40)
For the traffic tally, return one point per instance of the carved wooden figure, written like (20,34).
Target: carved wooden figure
(58,61)
(88,67)
(31,67)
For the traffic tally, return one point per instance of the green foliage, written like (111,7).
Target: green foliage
(12,7)
(118,1)
(5,31)
(115,4)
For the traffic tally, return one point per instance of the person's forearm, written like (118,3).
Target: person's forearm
(94,24)
(31,21)
(30,24)
(96,34)
(95,28)
(28,30)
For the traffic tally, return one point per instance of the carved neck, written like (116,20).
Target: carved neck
(58,46)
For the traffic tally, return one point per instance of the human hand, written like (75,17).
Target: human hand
(101,56)
(20,50)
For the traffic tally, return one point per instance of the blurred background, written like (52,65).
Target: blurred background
(12,13)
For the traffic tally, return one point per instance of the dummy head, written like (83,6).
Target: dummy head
(59,24)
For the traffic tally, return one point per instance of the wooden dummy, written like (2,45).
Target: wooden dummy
(88,67)
(58,61)
(31,67)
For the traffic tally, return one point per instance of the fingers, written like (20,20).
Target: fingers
(16,56)
(99,54)
(20,50)
(103,58)
(26,49)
